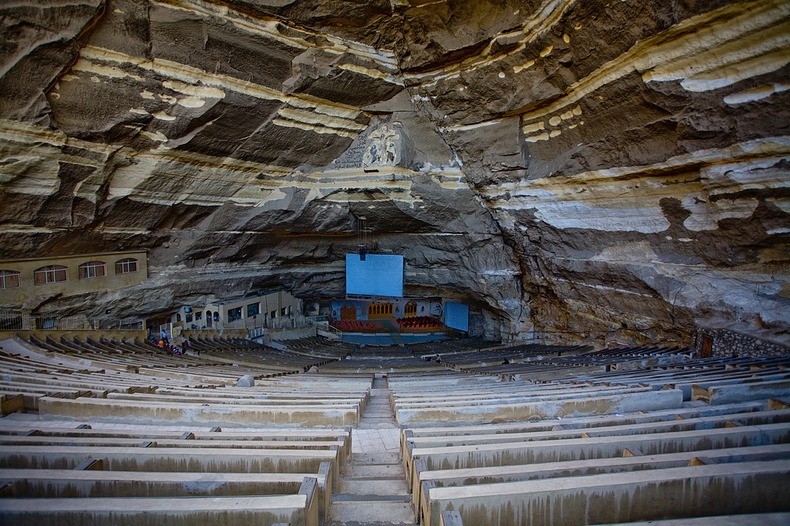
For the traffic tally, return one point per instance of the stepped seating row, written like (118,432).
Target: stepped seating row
(711,379)
(433,348)
(375,361)
(147,359)
(419,323)
(542,361)
(164,429)
(58,470)
(358,326)
(538,359)
(474,360)
(136,388)
(598,447)
(277,358)
(320,347)
(642,351)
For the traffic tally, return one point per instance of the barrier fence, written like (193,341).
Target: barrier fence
(18,322)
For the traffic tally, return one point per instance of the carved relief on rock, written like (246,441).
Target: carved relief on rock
(386,146)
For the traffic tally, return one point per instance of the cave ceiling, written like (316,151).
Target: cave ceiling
(560,165)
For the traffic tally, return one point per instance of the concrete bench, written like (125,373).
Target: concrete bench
(55,483)
(544,409)
(511,396)
(560,432)
(155,459)
(297,509)
(268,438)
(728,393)
(751,519)
(303,445)
(693,383)
(580,422)
(639,495)
(583,422)
(510,453)
(236,399)
(306,415)
(577,468)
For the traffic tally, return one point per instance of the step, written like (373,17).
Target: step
(341,498)
(374,487)
(379,513)
(376,420)
(375,411)
(373,471)
(362,459)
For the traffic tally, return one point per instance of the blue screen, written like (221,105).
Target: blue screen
(456,316)
(378,275)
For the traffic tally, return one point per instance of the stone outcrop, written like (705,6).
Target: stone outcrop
(580,167)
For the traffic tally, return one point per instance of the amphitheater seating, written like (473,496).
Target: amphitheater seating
(531,434)
(472,452)
(141,428)
(419,323)
(84,472)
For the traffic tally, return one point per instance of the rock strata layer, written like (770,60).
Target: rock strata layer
(579,167)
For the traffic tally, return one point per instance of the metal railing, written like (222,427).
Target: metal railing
(18,322)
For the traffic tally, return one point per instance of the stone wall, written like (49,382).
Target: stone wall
(726,342)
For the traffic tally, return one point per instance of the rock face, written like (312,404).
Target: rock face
(580,167)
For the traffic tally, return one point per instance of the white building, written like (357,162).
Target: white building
(270,308)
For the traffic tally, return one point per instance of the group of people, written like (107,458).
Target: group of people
(176,347)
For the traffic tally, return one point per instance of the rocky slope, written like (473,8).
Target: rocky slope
(561,165)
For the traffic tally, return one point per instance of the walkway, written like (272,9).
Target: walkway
(372,487)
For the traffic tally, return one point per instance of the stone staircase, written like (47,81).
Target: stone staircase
(372,488)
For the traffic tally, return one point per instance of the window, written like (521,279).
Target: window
(282,311)
(273,315)
(9,279)
(126,266)
(50,274)
(92,269)
(234,314)
(253,309)
(199,315)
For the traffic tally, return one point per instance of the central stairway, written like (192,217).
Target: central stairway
(372,488)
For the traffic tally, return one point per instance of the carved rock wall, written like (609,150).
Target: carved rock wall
(561,165)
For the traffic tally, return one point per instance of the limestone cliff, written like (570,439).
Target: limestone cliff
(561,165)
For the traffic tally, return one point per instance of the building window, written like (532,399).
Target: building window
(253,309)
(234,314)
(126,266)
(92,269)
(9,279)
(50,274)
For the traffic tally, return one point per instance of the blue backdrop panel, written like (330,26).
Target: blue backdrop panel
(378,275)
(456,316)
